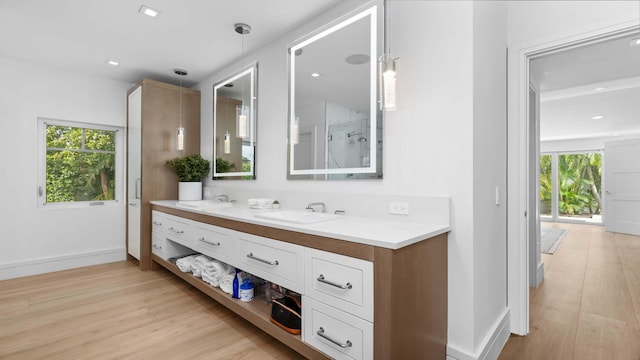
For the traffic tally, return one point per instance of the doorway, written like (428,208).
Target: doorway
(520,258)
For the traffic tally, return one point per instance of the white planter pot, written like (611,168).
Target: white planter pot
(190,191)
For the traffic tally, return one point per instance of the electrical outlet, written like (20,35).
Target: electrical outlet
(400,208)
(207,193)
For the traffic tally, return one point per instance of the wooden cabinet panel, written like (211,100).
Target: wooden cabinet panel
(153,141)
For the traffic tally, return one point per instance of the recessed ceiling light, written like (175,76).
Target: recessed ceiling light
(315,75)
(144,9)
(357,59)
(635,42)
(597,117)
(599,88)
(112,62)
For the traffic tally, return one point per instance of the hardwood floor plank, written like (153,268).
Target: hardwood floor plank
(587,306)
(603,338)
(114,311)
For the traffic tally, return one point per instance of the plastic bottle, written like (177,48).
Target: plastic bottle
(246,290)
(236,285)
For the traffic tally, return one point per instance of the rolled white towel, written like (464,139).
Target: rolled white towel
(199,264)
(185,264)
(215,266)
(226,283)
(208,279)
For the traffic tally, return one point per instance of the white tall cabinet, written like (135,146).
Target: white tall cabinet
(134,170)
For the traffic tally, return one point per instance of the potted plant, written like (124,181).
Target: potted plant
(190,170)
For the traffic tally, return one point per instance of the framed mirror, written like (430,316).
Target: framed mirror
(234,125)
(335,125)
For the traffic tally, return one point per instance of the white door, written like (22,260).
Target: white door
(622,186)
(134,185)
(535,258)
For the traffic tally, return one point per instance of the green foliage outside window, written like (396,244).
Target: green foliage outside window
(579,183)
(80,164)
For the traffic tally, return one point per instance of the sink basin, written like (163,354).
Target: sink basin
(203,205)
(299,217)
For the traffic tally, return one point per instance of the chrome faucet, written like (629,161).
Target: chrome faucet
(223,198)
(311,205)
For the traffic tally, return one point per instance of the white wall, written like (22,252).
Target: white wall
(32,239)
(429,143)
(534,26)
(489,173)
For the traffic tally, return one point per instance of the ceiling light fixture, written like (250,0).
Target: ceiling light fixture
(599,88)
(357,59)
(227,143)
(387,67)
(112,62)
(145,10)
(243,112)
(597,117)
(315,75)
(180,147)
(635,42)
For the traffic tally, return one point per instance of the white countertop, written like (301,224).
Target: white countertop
(386,233)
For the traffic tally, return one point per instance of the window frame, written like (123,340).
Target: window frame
(41,188)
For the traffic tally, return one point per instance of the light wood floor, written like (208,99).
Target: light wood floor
(114,311)
(588,306)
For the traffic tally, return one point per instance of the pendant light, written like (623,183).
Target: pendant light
(242,110)
(227,143)
(180,147)
(387,67)
(295,131)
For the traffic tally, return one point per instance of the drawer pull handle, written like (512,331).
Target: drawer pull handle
(344,287)
(274,262)
(209,242)
(157,223)
(176,231)
(322,335)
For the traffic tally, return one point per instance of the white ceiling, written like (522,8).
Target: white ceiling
(197,35)
(568,81)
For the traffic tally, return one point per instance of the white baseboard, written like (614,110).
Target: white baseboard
(539,274)
(492,345)
(46,265)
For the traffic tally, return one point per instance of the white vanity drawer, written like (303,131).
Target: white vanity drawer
(340,281)
(158,222)
(276,261)
(167,249)
(179,230)
(334,332)
(216,242)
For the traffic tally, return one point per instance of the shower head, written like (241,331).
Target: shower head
(360,139)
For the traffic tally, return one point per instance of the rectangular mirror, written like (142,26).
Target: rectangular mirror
(335,125)
(234,125)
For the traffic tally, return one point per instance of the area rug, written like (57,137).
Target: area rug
(550,239)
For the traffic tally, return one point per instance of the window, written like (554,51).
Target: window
(80,163)
(571,186)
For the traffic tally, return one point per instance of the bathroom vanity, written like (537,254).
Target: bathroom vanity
(371,288)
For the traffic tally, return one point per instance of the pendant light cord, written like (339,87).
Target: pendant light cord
(242,69)
(387,26)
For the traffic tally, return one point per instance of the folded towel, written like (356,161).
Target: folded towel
(214,270)
(226,283)
(261,203)
(185,264)
(199,264)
